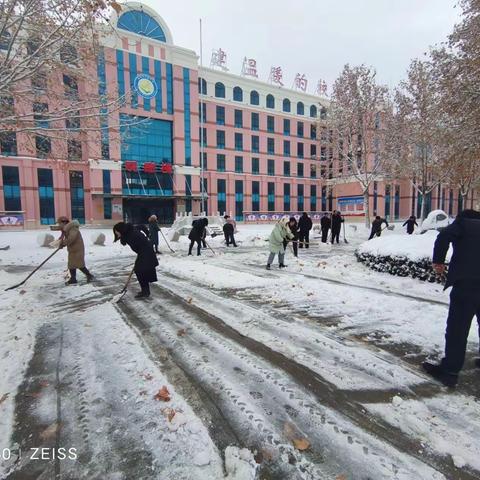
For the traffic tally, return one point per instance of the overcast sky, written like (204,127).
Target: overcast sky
(314,37)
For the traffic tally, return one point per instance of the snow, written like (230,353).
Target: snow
(240,464)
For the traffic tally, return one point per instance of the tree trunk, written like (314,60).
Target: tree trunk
(422,209)
(366,207)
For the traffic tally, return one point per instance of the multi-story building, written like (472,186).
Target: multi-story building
(258,142)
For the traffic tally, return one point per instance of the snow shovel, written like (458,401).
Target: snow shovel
(5,248)
(116,298)
(344,237)
(213,251)
(166,241)
(38,268)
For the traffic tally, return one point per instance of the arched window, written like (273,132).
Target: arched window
(5,40)
(300,108)
(313,111)
(141,23)
(270,101)
(68,54)
(254,98)
(202,86)
(286,105)
(238,94)
(220,90)
(323,113)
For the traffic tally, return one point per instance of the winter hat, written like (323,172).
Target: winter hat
(122,228)
(152,218)
(292,219)
(62,219)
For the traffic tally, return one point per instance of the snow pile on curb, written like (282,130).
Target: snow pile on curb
(401,255)
(240,464)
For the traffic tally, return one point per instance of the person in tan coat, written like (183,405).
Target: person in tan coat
(72,239)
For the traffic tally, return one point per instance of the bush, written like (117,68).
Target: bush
(400,266)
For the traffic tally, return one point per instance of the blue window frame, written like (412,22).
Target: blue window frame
(157,65)
(46,196)
(286,148)
(324,199)
(202,135)
(107,181)
(286,197)
(220,115)
(255,196)
(271,196)
(300,198)
(270,124)
(77,196)
(220,90)
(255,166)
(169,88)
(238,121)
(107,200)
(313,150)
(220,138)
(202,86)
(8,144)
(313,131)
(254,98)
(388,199)
(11,189)
(187,116)
(270,101)
(237,94)
(146,70)
(397,202)
(271,167)
(139,22)
(313,111)
(286,105)
(313,198)
(300,151)
(300,108)
(300,172)
(271,146)
(286,126)
(375,196)
(286,169)
(221,195)
(220,162)
(238,164)
(202,109)
(255,121)
(239,200)
(120,73)
(300,129)
(132,60)
(255,143)
(239,141)
(323,113)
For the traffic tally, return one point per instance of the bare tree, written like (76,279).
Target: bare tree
(354,116)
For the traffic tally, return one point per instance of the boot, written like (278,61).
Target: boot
(448,379)
(477,362)
(268,266)
(73,277)
(89,276)
(142,294)
(281,265)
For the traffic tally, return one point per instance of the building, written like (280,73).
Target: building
(258,143)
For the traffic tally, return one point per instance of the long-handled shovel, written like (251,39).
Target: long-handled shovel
(36,270)
(344,237)
(123,291)
(213,251)
(166,241)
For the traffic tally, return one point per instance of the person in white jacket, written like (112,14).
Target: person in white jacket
(279,233)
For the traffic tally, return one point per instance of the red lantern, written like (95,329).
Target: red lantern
(166,168)
(149,167)
(131,166)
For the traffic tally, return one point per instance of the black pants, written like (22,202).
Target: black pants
(325,235)
(144,285)
(294,246)
(230,239)
(154,245)
(374,233)
(199,246)
(336,236)
(73,272)
(464,305)
(304,237)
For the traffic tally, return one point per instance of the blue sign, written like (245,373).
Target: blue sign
(145,86)
(344,201)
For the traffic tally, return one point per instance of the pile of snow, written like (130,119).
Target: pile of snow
(401,255)
(435,220)
(183,225)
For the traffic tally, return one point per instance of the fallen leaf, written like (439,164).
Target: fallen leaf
(190,300)
(50,431)
(181,332)
(163,394)
(341,477)
(143,392)
(22,292)
(169,413)
(301,443)
(4,397)
(117,7)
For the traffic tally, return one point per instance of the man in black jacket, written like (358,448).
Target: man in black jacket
(325,224)
(464,278)
(304,227)
(377,226)
(337,221)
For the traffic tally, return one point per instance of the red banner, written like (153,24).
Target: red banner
(149,167)
(131,166)
(166,168)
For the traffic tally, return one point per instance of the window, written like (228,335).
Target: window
(286,197)
(323,113)
(300,170)
(324,199)
(204,163)
(238,164)
(77,195)
(220,138)
(286,169)
(8,144)
(313,198)
(300,150)
(74,148)
(202,86)
(255,166)
(71,87)
(239,200)
(237,94)
(286,105)
(271,167)
(11,189)
(220,115)
(271,196)
(313,150)
(5,39)
(107,201)
(313,131)
(270,101)
(300,198)
(271,145)
(202,108)
(7,104)
(137,21)
(300,108)
(238,141)
(255,196)
(286,126)
(43,146)
(313,171)
(39,82)
(270,124)
(46,196)
(377,120)
(286,148)
(220,90)
(40,114)
(255,143)
(255,121)
(220,162)
(238,114)
(254,98)
(300,129)
(313,111)
(68,54)
(323,154)
(221,195)
(33,44)
(202,134)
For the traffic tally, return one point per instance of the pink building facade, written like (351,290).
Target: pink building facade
(261,149)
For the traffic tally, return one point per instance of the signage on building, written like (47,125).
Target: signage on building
(145,86)
(276,76)
(219,59)
(249,68)
(117,208)
(300,82)
(321,88)
(11,220)
(351,205)
(276,216)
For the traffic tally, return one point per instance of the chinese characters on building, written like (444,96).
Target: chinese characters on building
(276,76)
(300,82)
(219,59)
(249,68)
(321,88)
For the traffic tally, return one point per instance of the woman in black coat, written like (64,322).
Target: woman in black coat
(197,234)
(293,226)
(410,223)
(146,260)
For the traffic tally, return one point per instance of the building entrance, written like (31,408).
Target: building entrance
(137,210)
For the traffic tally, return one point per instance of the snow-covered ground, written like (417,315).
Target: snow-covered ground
(306,373)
